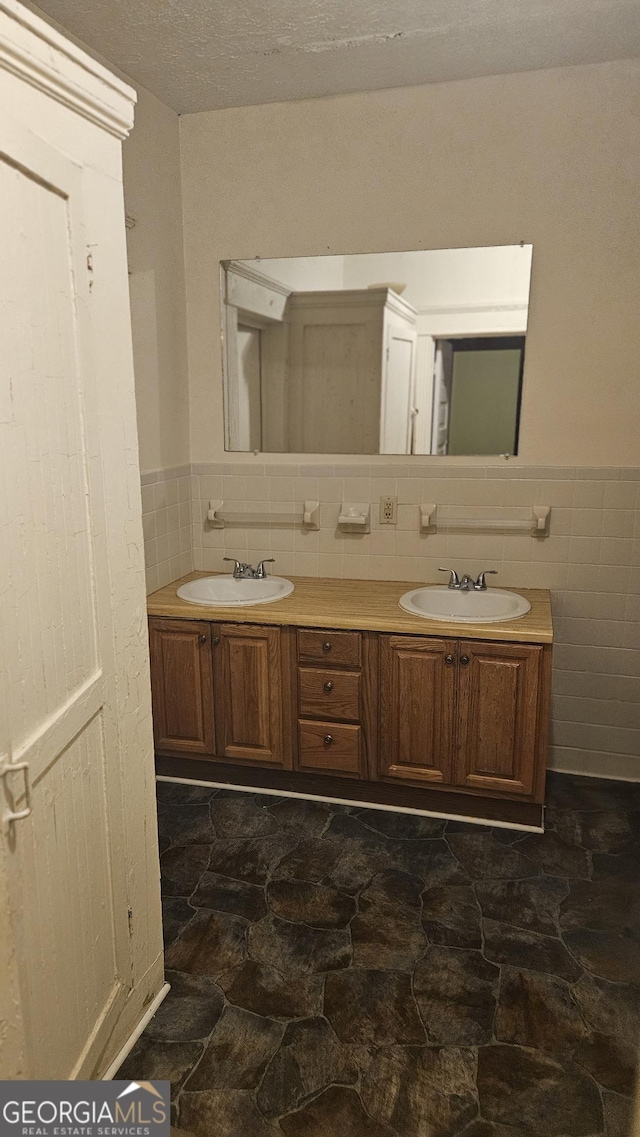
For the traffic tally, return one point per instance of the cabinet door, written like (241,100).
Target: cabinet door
(182,685)
(417,703)
(249,694)
(498,716)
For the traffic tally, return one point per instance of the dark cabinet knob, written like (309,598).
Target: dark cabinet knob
(328,687)
(464,659)
(215,640)
(449,660)
(326,646)
(328,739)
(202,639)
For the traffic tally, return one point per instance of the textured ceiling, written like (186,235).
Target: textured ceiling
(203,54)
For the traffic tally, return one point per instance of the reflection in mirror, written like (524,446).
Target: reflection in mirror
(378,353)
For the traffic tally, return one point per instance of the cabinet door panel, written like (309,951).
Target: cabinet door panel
(248,694)
(182,685)
(498,713)
(417,701)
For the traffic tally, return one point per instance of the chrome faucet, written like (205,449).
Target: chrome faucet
(244,571)
(468,584)
(481,584)
(454,581)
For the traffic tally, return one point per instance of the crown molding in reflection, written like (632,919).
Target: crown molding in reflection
(355,298)
(248,272)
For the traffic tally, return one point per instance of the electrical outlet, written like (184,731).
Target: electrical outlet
(388,510)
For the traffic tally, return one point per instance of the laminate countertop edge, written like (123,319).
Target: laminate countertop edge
(356,605)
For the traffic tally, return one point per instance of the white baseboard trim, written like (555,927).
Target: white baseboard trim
(599,774)
(595,764)
(136,1032)
(349,801)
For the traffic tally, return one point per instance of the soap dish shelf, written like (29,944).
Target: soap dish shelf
(355,517)
(537,525)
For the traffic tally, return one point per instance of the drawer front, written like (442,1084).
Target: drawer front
(333,649)
(326,694)
(329,746)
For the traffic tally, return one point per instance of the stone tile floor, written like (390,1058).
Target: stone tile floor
(346,972)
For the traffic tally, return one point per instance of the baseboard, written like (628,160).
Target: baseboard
(125,1051)
(527,816)
(595,764)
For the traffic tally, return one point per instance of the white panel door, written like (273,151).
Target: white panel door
(397,392)
(334,378)
(423,393)
(64,867)
(442,380)
(249,348)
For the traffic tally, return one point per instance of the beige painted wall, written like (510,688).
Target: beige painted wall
(151,163)
(548,157)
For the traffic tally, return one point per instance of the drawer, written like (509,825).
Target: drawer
(333,649)
(329,746)
(325,694)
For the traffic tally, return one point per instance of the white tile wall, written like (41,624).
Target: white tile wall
(591,563)
(167,525)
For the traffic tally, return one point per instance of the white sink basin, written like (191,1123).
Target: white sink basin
(437,602)
(225,592)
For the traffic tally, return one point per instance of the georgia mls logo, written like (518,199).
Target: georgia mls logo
(84,1109)
(158,1108)
(148,1086)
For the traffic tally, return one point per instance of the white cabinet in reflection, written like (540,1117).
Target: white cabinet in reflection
(351,365)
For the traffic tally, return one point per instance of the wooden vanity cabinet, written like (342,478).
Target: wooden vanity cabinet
(333,732)
(417,708)
(461,712)
(182,686)
(217,691)
(248,694)
(497,721)
(439,723)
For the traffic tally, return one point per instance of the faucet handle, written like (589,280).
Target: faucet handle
(453,579)
(261,572)
(481,583)
(238,566)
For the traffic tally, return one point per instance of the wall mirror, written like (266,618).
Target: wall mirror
(380,353)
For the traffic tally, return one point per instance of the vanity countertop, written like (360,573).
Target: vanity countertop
(367,605)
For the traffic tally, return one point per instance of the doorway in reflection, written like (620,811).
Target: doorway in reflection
(477,388)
